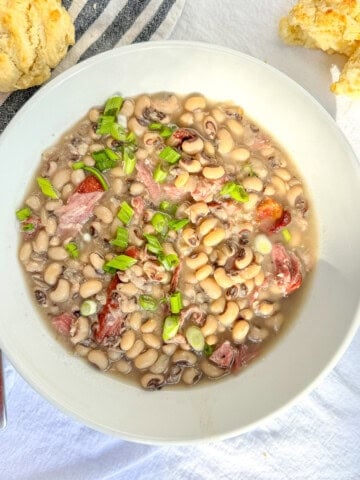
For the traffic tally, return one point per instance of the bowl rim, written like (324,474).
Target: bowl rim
(65,76)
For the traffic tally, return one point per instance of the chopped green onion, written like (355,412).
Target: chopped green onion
(131,137)
(159,174)
(195,338)
(262,244)
(178,224)
(23,214)
(121,262)
(208,349)
(46,187)
(166,132)
(155,126)
(72,249)
(168,207)
(169,261)
(105,159)
(160,222)
(169,155)
(105,124)
(176,303)
(125,213)
(118,132)
(235,191)
(122,237)
(286,235)
(248,169)
(153,245)
(113,105)
(88,307)
(149,303)
(129,161)
(27,227)
(170,327)
(78,165)
(98,175)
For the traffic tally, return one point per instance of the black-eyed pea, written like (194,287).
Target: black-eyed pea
(61,292)
(98,358)
(230,314)
(187,119)
(123,366)
(207,225)
(94,115)
(249,285)
(90,287)
(81,330)
(253,184)
(96,261)
(88,161)
(218,114)
(251,203)
(89,271)
(193,146)
(196,102)
(213,172)
(225,141)
(33,202)
(191,165)
(239,154)
(152,381)
(41,242)
(250,271)
(244,257)
(279,185)
(142,102)
(246,314)
(203,272)
(161,364)
(212,340)
(259,279)
(81,350)
(25,252)
(146,359)
(57,253)
(136,188)
(269,190)
(135,350)
(293,194)
(103,214)
(211,370)
(127,340)
(191,375)
(258,334)
(114,353)
(51,226)
(134,321)
(96,147)
(235,127)
(210,126)
(127,108)
(210,326)
(217,306)
(52,205)
(135,127)
(67,191)
(181,180)
(196,260)
(60,178)
(77,176)
(222,279)
(117,172)
(240,331)
(266,308)
(190,277)
(152,340)
(211,288)
(209,148)
(214,237)
(52,273)
(283,173)
(190,236)
(169,349)
(274,322)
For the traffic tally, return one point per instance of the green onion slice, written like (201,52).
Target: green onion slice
(46,187)
(155,126)
(105,124)
(195,338)
(98,175)
(235,191)
(168,207)
(169,155)
(149,303)
(166,131)
(72,249)
(105,159)
(88,307)
(169,261)
(176,303)
(23,214)
(125,213)
(121,262)
(131,138)
(113,105)
(178,224)
(159,174)
(153,245)
(286,235)
(122,238)
(27,227)
(208,349)
(170,327)
(160,222)
(129,161)
(78,165)
(117,132)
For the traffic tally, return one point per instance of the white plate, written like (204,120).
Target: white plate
(325,325)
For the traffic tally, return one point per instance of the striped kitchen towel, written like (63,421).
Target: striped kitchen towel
(101,25)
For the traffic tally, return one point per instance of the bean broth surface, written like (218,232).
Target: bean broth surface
(219,235)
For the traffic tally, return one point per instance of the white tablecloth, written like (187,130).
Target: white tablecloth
(318,438)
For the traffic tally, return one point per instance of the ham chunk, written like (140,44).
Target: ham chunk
(144,175)
(224,355)
(62,323)
(287,269)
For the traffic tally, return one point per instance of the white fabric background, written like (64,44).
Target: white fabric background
(317,439)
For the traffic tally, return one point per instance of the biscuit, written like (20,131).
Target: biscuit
(34,37)
(349,81)
(331,25)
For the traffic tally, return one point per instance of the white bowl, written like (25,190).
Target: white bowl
(323,328)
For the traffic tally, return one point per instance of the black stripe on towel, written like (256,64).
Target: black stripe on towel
(155,22)
(13,103)
(88,15)
(67,3)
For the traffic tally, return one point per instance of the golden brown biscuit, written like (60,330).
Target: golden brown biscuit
(349,81)
(331,25)
(34,37)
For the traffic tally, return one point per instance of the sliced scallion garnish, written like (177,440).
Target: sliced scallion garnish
(178,224)
(125,213)
(131,138)
(176,303)
(149,303)
(78,165)
(286,235)
(105,159)
(235,191)
(105,124)
(170,327)
(88,307)
(262,244)
(117,132)
(160,222)
(208,349)
(169,261)
(121,240)
(153,245)
(169,155)
(23,214)
(195,338)
(164,130)
(159,174)
(168,207)
(113,105)
(121,262)
(72,249)
(129,161)
(98,175)
(27,227)
(46,188)
(155,126)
